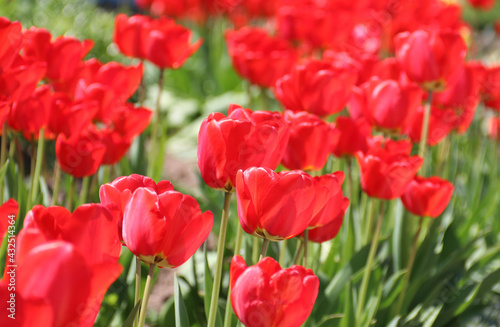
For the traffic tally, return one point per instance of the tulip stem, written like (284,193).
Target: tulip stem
(306,245)
(299,252)
(142,88)
(137,295)
(57,181)
(38,168)
(263,252)
(282,253)
(69,199)
(369,264)
(84,190)
(237,248)
(154,129)
(371,217)
(425,127)
(147,292)
(409,268)
(220,257)
(3,158)
(255,249)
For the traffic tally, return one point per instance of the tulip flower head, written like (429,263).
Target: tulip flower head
(265,295)
(274,206)
(164,229)
(387,168)
(427,197)
(241,140)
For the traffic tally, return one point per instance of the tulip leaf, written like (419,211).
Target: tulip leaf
(392,288)
(129,322)
(181,317)
(344,275)
(3,170)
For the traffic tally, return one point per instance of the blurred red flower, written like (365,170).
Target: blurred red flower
(316,86)
(311,141)
(258,57)
(427,197)
(353,136)
(387,168)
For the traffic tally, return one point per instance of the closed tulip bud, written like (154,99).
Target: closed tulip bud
(265,295)
(241,140)
(311,141)
(274,206)
(430,58)
(387,168)
(316,86)
(164,229)
(427,197)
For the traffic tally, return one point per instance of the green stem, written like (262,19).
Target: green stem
(220,257)
(147,292)
(369,264)
(425,127)
(84,190)
(3,158)
(255,249)
(409,268)
(237,248)
(137,295)
(371,217)
(263,252)
(282,253)
(156,126)
(306,246)
(57,181)
(142,89)
(38,167)
(298,253)
(69,199)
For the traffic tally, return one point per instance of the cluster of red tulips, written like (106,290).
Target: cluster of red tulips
(357,80)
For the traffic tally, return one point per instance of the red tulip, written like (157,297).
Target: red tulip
(32,114)
(427,196)
(37,45)
(494,128)
(259,57)
(385,104)
(8,212)
(316,86)
(130,34)
(81,154)
(164,229)
(70,117)
(387,168)
(66,262)
(311,141)
(490,87)
(430,58)
(11,38)
(115,196)
(329,201)
(353,136)
(241,140)
(272,205)
(265,295)
(19,82)
(4,113)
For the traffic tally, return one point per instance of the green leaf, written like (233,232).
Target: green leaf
(208,284)
(129,322)
(392,288)
(3,170)
(181,317)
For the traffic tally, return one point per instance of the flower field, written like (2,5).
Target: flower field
(249,163)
